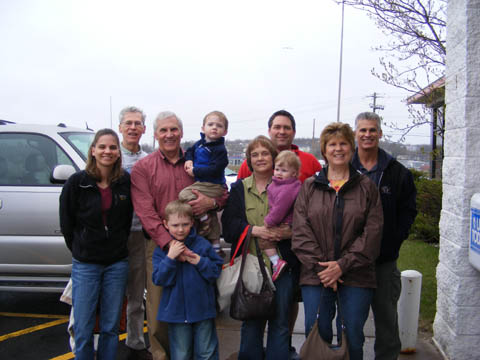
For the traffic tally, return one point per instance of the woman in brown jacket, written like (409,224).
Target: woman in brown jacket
(337,227)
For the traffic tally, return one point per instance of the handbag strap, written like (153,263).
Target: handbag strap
(259,257)
(339,313)
(245,250)
(261,262)
(242,237)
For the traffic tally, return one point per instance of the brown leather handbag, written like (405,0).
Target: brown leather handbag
(247,305)
(315,347)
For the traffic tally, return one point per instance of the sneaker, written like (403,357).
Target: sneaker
(143,354)
(277,269)
(293,353)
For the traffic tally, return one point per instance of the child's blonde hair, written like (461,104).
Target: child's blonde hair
(179,208)
(290,159)
(220,115)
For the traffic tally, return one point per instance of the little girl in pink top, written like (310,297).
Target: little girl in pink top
(282,193)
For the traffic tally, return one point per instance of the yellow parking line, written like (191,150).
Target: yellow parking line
(66,356)
(70,355)
(32,329)
(46,316)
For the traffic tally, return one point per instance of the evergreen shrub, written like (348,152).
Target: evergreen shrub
(429,205)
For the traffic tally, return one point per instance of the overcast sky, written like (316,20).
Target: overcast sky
(62,61)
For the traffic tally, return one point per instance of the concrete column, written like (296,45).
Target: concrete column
(457,322)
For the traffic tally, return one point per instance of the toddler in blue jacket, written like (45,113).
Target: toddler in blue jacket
(206,161)
(187,271)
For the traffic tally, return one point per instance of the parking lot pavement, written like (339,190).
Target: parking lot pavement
(229,339)
(33,326)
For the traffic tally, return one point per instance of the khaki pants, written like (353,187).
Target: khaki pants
(157,330)
(212,191)
(135,290)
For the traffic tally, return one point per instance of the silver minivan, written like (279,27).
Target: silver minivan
(35,160)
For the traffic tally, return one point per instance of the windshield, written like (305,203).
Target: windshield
(80,141)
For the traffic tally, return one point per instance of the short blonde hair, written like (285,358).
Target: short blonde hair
(335,130)
(220,115)
(289,159)
(179,208)
(260,141)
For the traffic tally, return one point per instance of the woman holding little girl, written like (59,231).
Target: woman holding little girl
(248,204)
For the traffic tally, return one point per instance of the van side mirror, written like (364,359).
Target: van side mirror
(61,173)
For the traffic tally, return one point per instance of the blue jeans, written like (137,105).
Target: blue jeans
(93,283)
(193,341)
(354,306)
(251,342)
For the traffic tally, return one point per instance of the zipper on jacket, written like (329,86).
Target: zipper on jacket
(335,215)
(338,207)
(380,180)
(106,230)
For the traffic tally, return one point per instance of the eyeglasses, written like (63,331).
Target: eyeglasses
(129,123)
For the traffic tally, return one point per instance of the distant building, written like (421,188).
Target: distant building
(433,97)
(235,159)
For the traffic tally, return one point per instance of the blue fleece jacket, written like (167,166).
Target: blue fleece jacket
(209,160)
(188,290)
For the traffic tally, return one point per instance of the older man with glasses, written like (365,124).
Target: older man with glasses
(132,127)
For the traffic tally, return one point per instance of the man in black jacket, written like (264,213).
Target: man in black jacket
(398,194)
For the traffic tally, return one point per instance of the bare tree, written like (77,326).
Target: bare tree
(415,54)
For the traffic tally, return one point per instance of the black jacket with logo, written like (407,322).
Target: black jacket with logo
(81,222)
(398,194)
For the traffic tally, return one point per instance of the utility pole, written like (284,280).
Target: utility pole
(374,106)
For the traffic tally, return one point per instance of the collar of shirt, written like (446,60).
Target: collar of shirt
(126,151)
(374,173)
(181,156)
(251,186)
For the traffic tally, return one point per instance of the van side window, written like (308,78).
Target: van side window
(29,159)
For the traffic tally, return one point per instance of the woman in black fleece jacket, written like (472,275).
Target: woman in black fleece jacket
(95,218)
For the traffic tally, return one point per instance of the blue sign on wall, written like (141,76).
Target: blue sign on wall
(475,230)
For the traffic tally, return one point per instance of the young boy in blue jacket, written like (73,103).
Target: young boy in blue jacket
(187,271)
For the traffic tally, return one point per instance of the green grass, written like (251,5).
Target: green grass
(423,257)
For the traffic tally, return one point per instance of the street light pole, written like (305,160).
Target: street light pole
(341,61)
